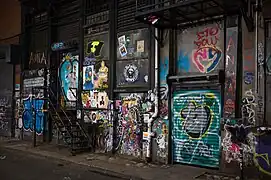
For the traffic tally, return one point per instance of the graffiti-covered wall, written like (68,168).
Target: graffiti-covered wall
(160,125)
(32,101)
(132,69)
(6,88)
(248,67)
(200,49)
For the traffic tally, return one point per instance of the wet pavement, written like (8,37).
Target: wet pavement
(17,165)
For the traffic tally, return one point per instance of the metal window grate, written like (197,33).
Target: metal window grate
(94,7)
(126,16)
(39,40)
(66,19)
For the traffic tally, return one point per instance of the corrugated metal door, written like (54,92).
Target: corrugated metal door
(196,127)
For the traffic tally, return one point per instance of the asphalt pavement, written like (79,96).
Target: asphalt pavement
(17,165)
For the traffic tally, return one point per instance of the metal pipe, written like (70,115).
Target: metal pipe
(256,47)
(156,99)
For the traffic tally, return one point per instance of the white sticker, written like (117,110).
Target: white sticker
(140,46)
(121,40)
(146,118)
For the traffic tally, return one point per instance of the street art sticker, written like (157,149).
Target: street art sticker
(133,73)
(33,111)
(196,126)
(204,54)
(69,74)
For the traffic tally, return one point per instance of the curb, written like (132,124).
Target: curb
(92,168)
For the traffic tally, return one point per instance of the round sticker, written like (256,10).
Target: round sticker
(130,73)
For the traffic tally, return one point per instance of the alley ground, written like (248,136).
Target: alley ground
(17,165)
(20,161)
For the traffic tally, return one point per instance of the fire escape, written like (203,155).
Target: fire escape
(183,13)
(62,118)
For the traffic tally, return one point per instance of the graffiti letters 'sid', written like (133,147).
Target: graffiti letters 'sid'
(131,73)
(95,47)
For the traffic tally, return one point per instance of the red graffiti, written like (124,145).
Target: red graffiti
(206,58)
(207,37)
(234,148)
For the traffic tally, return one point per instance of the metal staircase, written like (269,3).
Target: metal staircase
(68,126)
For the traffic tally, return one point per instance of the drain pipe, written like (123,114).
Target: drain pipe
(156,98)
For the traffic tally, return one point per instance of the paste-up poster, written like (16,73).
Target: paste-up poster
(140,46)
(88,77)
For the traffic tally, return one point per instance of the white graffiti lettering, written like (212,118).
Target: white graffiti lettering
(248,107)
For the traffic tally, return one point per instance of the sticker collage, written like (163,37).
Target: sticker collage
(95,99)
(132,60)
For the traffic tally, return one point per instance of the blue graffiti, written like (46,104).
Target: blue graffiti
(164,69)
(68,74)
(183,62)
(29,112)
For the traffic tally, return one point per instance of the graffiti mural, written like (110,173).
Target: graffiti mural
(200,49)
(69,74)
(196,127)
(32,103)
(33,111)
(230,75)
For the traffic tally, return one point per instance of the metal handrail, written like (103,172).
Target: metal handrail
(50,102)
(67,115)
